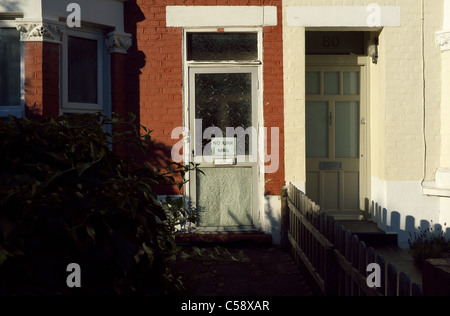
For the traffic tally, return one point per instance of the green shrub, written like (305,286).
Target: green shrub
(66,197)
(427,244)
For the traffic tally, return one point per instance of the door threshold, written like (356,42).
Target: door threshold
(347,215)
(369,232)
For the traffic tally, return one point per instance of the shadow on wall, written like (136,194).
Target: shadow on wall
(136,58)
(272,220)
(158,153)
(380,215)
(10,6)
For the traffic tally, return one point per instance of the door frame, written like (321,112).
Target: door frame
(364,159)
(192,190)
(187,65)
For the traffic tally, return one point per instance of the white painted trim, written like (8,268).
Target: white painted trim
(220,16)
(187,65)
(441,186)
(443,40)
(431,189)
(103,89)
(402,207)
(343,16)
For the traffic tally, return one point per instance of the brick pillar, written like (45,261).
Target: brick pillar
(118,84)
(118,44)
(274,104)
(42,60)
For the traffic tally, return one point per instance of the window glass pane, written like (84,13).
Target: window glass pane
(347,129)
(222,46)
(82,70)
(316,129)
(313,82)
(351,82)
(224,196)
(331,82)
(10,94)
(224,101)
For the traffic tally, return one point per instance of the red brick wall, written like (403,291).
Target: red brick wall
(273,96)
(41,79)
(155,75)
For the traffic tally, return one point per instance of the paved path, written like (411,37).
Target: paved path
(258,271)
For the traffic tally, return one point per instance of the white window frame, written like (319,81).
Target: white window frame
(103,68)
(16,110)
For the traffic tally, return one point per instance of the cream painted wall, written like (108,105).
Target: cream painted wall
(108,13)
(445,115)
(433,69)
(29,8)
(408,79)
(406,123)
(397,93)
(294,104)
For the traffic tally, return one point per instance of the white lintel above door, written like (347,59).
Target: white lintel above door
(221,16)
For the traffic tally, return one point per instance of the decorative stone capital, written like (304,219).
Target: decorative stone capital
(118,42)
(40,31)
(443,40)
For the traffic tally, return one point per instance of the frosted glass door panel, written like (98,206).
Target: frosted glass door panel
(224,197)
(313,82)
(347,129)
(331,85)
(317,129)
(351,83)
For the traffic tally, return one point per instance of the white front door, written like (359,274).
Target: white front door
(333,138)
(223,123)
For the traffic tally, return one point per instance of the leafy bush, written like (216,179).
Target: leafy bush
(428,244)
(66,197)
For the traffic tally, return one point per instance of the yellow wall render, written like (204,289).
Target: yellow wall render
(294,106)
(445,115)
(396,93)
(433,23)
(404,89)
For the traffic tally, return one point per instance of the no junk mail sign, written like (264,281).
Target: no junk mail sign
(223,147)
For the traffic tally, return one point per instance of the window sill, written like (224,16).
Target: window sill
(431,189)
(440,186)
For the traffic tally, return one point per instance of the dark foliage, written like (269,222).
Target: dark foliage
(427,244)
(66,197)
